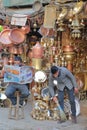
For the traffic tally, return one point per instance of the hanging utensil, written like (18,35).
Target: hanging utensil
(63,13)
(78,7)
(16,36)
(4,37)
(37,5)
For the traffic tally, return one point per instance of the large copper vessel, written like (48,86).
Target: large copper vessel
(37,51)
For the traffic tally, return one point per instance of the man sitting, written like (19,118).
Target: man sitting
(12,87)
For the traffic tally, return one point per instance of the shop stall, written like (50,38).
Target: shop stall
(55,34)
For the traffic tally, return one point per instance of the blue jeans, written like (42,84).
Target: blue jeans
(11,89)
(71,97)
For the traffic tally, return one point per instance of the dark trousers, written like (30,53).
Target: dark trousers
(71,97)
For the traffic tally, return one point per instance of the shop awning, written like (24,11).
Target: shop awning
(10,3)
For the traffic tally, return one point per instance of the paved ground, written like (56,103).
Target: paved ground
(28,123)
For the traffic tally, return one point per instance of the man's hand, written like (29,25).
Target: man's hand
(55,99)
(76,90)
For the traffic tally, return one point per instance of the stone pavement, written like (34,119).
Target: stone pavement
(28,123)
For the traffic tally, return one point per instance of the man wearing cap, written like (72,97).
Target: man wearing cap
(63,79)
(12,87)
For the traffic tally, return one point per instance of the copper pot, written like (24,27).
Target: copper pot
(13,50)
(68,48)
(37,51)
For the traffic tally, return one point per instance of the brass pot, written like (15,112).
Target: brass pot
(68,48)
(37,63)
(69,56)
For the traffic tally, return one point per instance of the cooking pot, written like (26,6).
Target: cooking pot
(16,36)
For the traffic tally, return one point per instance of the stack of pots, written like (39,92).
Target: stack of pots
(37,52)
(68,51)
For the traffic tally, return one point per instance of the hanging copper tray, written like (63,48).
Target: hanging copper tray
(16,36)
(4,37)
